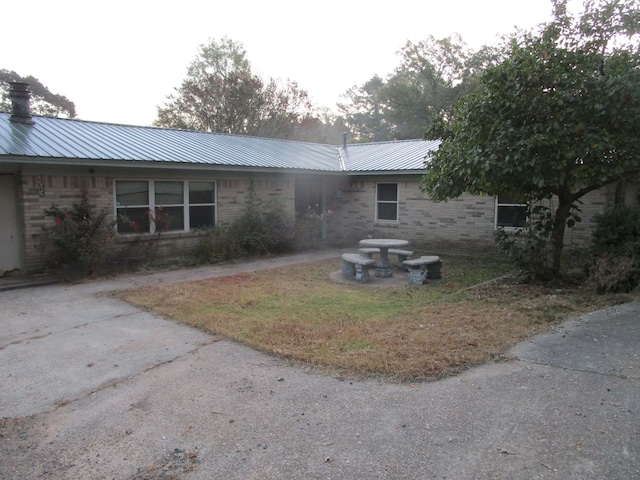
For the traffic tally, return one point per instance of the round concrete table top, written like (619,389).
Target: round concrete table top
(383,243)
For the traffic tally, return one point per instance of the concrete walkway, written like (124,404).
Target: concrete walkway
(95,388)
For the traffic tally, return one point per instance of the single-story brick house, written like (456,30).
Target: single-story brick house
(203,179)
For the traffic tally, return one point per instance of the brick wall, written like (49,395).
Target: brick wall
(39,192)
(234,190)
(465,224)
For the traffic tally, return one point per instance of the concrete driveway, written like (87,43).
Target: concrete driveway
(94,388)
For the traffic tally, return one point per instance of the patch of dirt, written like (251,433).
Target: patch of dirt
(170,466)
(26,454)
(19,441)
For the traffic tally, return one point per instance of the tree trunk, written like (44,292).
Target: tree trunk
(557,233)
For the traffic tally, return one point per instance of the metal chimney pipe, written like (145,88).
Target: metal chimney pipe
(344,140)
(21,103)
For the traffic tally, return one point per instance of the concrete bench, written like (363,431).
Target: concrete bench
(358,265)
(401,254)
(423,269)
(368,252)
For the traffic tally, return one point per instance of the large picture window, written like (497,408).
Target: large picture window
(511,212)
(387,202)
(160,206)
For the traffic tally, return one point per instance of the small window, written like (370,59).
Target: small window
(202,206)
(132,206)
(169,206)
(511,212)
(387,202)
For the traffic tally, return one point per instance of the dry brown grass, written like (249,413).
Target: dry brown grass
(407,333)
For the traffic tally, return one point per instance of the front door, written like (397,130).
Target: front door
(9,235)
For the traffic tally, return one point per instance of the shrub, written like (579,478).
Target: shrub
(264,228)
(216,246)
(310,226)
(616,250)
(618,231)
(81,239)
(529,248)
(142,247)
(615,273)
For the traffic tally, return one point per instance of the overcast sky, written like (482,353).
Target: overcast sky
(118,60)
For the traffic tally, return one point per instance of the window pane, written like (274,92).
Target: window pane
(169,193)
(132,193)
(133,220)
(387,211)
(169,218)
(201,192)
(202,217)
(512,216)
(388,192)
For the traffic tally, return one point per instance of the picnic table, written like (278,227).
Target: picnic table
(383,269)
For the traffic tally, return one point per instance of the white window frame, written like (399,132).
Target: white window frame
(188,204)
(499,204)
(151,205)
(387,202)
(184,204)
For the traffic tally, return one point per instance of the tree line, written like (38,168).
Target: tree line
(43,101)
(220,93)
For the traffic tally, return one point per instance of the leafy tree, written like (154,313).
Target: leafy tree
(363,111)
(325,127)
(557,118)
(432,76)
(43,101)
(221,94)
(425,84)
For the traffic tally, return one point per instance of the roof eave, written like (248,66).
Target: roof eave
(18,160)
(384,172)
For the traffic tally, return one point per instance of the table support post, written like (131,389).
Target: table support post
(383,269)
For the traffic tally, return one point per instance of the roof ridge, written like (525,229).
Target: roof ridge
(204,132)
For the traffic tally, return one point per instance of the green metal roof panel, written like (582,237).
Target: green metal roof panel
(58,139)
(388,156)
(64,138)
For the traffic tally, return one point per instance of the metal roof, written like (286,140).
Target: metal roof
(58,139)
(403,155)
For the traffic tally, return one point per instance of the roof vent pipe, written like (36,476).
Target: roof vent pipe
(344,140)
(21,102)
